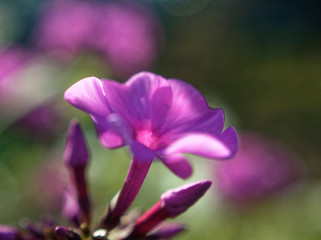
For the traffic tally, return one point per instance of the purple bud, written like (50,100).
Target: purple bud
(76,153)
(171,204)
(178,200)
(9,233)
(166,231)
(76,158)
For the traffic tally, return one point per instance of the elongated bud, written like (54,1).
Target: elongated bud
(9,233)
(76,152)
(178,200)
(76,158)
(171,204)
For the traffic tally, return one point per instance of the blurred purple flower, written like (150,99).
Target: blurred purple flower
(65,27)
(48,176)
(125,33)
(12,60)
(9,233)
(129,35)
(43,121)
(260,167)
(157,118)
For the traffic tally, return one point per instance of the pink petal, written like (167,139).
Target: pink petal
(135,99)
(189,111)
(212,122)
(87,95)
(160,105)
(187,103)
(178,165)
(229,137)
(203,145)
(112,131)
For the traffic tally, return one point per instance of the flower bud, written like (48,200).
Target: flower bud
(76,158)
(171,204)
(76,153)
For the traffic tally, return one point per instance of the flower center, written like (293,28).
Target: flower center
(147,138)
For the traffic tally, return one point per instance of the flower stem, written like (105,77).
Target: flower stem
(82,192)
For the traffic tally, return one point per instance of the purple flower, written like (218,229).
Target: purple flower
(128,34)
(43,121)
(171,204)
(48,175)
(158,119)
(125,33)
(65,27)
(12,60)
(260,167)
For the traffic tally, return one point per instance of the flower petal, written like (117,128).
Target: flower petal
(178,165)
(229,137)
(88,96)
(203,145)
(187,104)
(160,105)
(189,112)
(112,131)
(134,99)
(212,122)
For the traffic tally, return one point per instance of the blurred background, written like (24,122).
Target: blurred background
(258,60)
